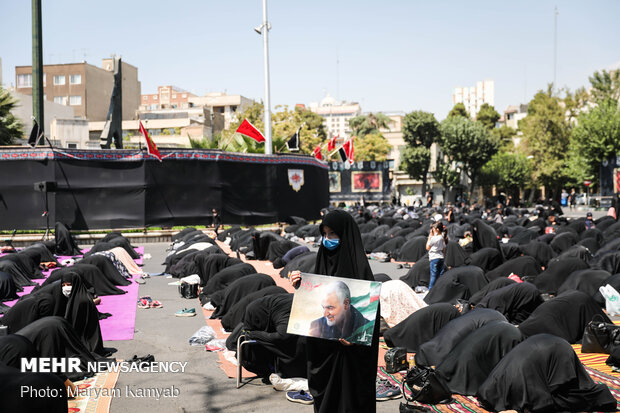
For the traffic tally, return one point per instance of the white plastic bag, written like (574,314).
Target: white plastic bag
(202,336)
(612,299)
(293,384)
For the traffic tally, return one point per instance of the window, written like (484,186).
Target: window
(24,80)
(61,100)
(72,145)
(184,95)
(75,79)
(174,96)
(59,80)
(44,79)
(75,100)
(155,97)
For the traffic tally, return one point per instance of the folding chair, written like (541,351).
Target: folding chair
(241,341)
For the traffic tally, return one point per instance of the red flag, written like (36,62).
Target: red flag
(152,149)
(348,149)
(317,152)
(247,129)
(331,144)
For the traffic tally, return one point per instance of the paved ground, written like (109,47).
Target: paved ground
(203,387)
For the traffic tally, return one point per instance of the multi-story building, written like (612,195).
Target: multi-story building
(167,97)
(336,115)
(473,97)
(220,103)
(84,87)
(512,115)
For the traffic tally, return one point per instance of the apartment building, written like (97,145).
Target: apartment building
(84,87)
(474,96)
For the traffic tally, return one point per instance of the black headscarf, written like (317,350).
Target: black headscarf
(420,326)
(21,277)
(486,258)
(524,266)
(348,260)
(80,311)
(419,274)
(226,276)
(562,242)
(8,290)
(565,316)
(342,378)
(277,249)
(209,265)
(455,255)
(65,243)
(107,267)
(543,373)
(496,284)
(412,250)
(14,348)
(558,271)
(12,382)
(472,360)
(434,351)
(266,321)
(541,251)
(304,262)
(457,283)
(234,316)
(516,301)
(27,310)
(587,281)
(94,280)
(484,236)
(55,337)
(237,290)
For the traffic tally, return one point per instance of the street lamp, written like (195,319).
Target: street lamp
(264,30)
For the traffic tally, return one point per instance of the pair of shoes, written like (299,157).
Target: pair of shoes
(186,312)
(387,391)
(299,397)
(144,302)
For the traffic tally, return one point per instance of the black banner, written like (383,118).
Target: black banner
(351,182)
(123,188)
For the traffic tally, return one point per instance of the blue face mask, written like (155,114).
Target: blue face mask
(330,244)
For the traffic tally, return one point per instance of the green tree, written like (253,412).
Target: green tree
(371,147)
(468,143)
(605,86)
(505,134)
(11,128)
(420,129)
(414,160)
(446,175)
(368,124)
(487,115)
(459,110)
(596,137)
(508,171)
(546,133)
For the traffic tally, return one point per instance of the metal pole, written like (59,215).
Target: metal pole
(265,33)
(37,65)
(555,46)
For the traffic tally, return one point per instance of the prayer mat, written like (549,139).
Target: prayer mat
(96,394)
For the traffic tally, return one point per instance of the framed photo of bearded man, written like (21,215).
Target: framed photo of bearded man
(333,308)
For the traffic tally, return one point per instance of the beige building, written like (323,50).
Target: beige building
(222,104)
(473,97)
(336,115)
(84,87)
(23,111)
(408,190)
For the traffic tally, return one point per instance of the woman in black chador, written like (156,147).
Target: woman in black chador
(341,376)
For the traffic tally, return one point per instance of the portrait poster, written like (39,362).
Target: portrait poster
(334,182)
(616,180)
(366,181)
(333,308)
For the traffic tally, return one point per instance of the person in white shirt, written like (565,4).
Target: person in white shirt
(436,245)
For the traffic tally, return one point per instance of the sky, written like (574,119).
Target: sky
(390,56)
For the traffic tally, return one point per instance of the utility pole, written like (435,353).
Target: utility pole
(37,65)
(264,30)
(555,47)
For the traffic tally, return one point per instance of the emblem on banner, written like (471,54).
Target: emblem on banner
(296,178)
